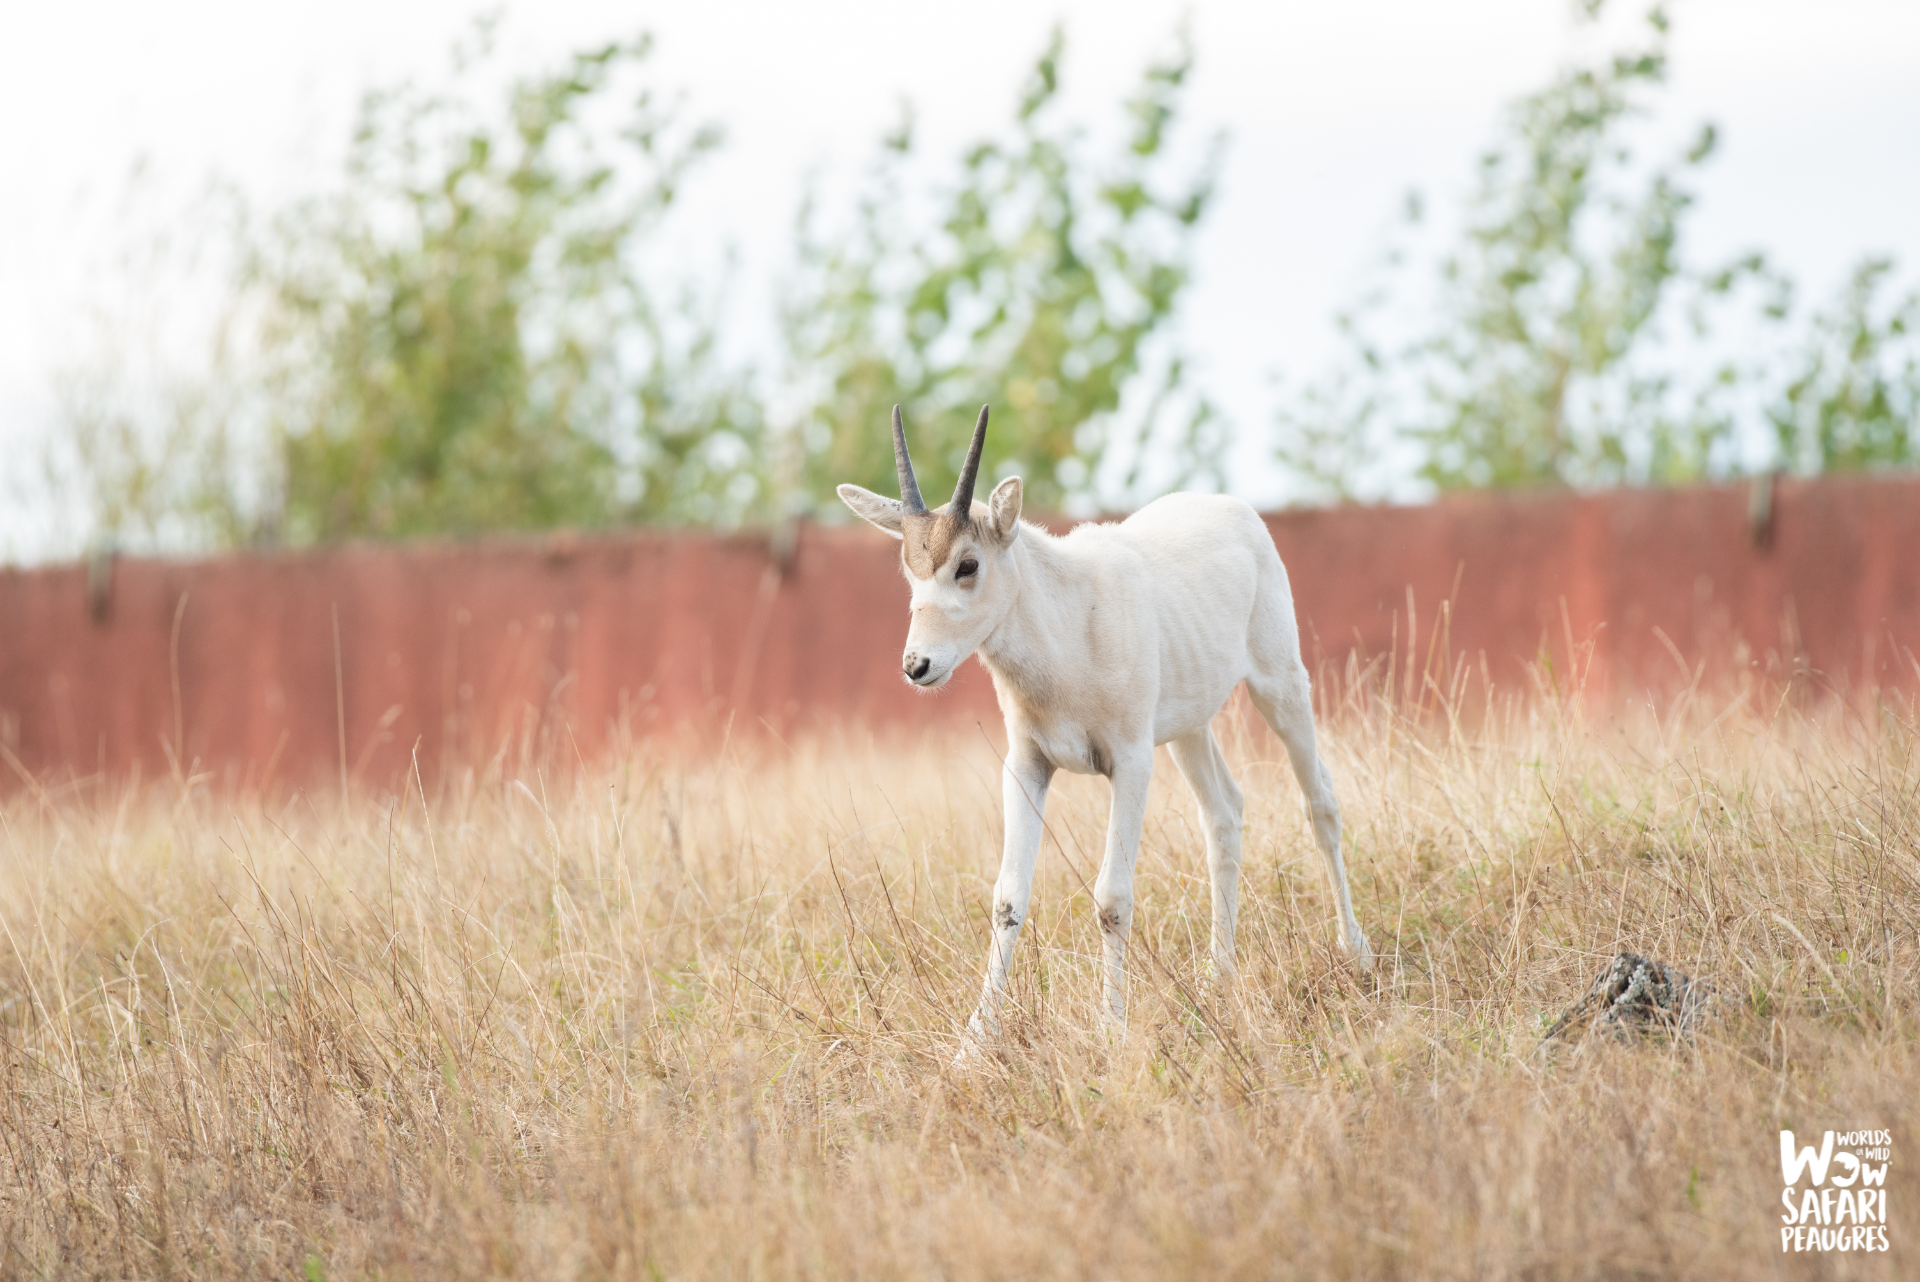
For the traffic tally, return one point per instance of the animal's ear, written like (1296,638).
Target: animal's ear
(874,508)
(1003,510)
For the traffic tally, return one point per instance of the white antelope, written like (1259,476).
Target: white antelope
(1103,644)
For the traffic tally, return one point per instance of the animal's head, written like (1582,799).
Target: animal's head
(956,558)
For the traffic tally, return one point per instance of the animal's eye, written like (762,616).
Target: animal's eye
(966,569)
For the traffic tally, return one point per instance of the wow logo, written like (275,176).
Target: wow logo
(1844,1206)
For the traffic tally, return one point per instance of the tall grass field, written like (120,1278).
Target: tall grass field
(693,1013)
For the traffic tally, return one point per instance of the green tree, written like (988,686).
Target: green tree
(1562,277)
(1852,395)
(463,337)
(1557,352)
(1041,287)
(1572,344)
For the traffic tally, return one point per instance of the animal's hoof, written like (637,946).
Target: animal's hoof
(979,1036)
(1359,952)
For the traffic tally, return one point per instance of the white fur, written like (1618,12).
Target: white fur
(1103,644)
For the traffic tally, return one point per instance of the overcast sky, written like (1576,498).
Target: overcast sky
(1333,110)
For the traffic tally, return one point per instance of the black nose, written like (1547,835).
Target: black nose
(917,670)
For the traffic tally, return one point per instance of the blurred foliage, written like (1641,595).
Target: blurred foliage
(1571,344)
(1852,397)
(150,467)
(464,336)
(1553,294)
(1039,287)
(151,449)
(481,327)
(474,330)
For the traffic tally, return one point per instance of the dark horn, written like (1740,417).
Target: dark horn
(963,492)
(903,463)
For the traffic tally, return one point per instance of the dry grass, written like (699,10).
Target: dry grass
(688,1018)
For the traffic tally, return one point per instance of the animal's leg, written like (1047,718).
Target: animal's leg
(1221,810)
(1023,793)
(1282,694)
(1113,888)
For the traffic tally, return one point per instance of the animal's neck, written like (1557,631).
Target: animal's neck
(1021,652)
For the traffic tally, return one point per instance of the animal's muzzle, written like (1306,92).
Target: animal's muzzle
(915,667)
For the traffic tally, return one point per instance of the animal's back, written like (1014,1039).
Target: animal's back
(1196,528)
(1214,568)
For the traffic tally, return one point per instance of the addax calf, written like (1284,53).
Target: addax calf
(1102,645)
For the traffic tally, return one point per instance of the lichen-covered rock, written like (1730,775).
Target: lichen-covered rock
(1636,996)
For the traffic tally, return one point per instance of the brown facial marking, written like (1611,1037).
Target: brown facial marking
(927,541)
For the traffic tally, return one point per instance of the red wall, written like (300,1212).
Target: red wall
(464,647)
